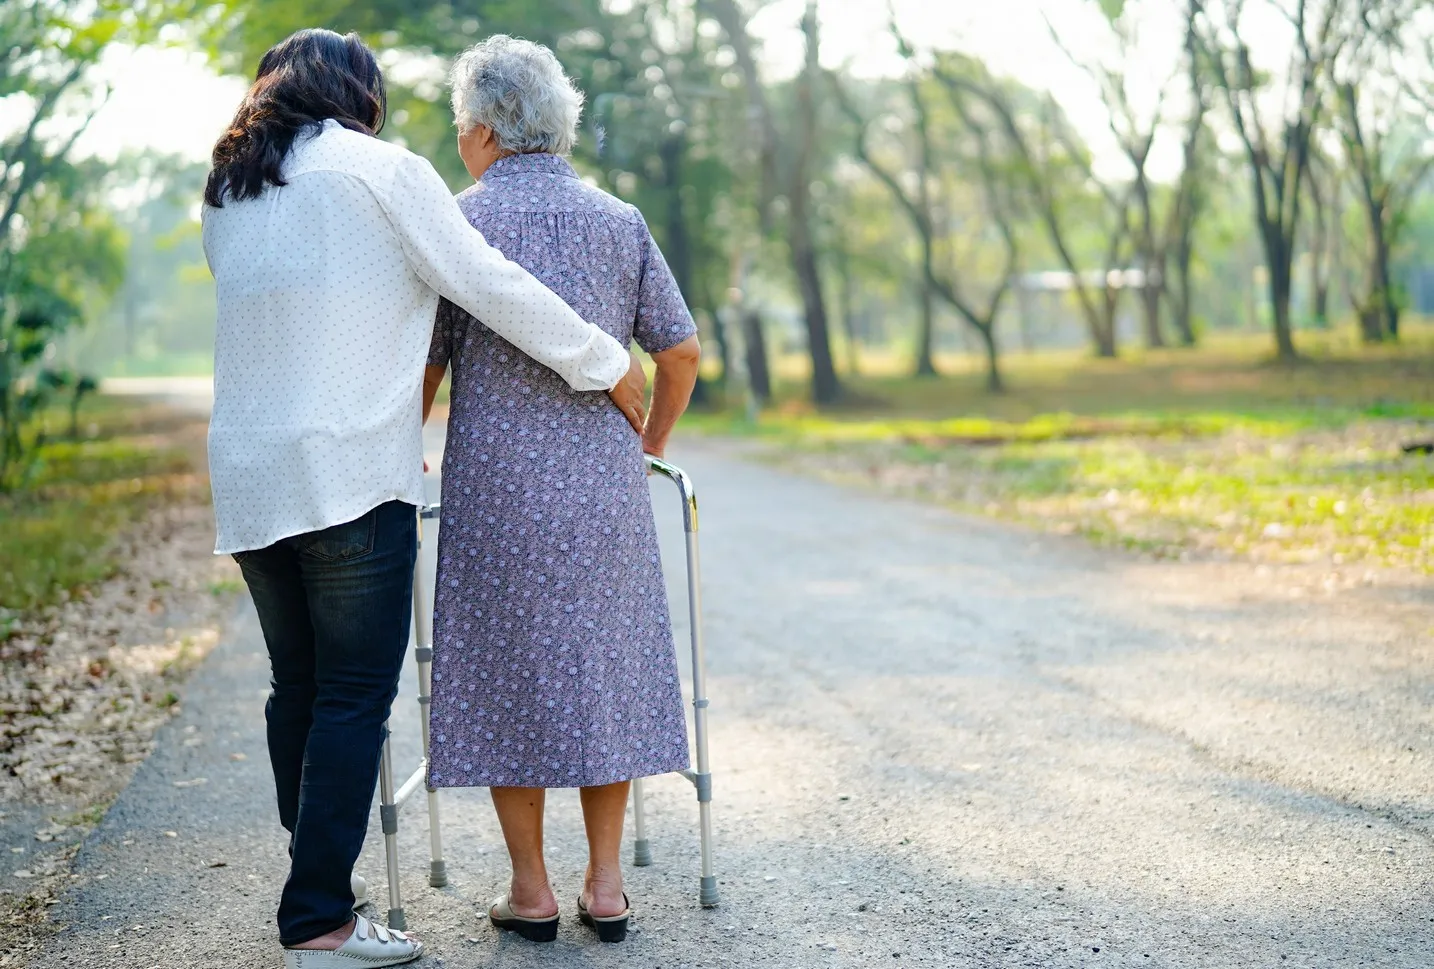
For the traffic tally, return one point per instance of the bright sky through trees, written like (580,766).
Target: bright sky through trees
(170,101)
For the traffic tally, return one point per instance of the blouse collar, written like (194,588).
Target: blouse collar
(522,164)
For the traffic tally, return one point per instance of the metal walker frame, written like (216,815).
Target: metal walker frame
(391,799)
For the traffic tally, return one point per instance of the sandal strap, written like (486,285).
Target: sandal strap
(364,928)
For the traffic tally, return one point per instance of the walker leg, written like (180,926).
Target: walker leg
(702,779)
(702,776)
(423,653)
(388,815)
(641,848)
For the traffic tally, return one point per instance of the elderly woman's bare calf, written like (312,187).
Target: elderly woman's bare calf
(554,662)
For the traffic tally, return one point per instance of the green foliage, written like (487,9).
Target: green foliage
(70,258)
(662,106)
(81,493)
(1112,9)
(60,252)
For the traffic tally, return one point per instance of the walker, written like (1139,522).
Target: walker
(392,800)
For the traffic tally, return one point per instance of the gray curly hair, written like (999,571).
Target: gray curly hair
(518,89)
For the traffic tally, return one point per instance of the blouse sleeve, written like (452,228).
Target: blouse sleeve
(663,320)
(440,351)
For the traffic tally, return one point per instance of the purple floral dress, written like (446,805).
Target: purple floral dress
(554,663)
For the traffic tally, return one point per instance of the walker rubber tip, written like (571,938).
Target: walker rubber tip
(642,853)
(396,919)
(707,897)
(438,874)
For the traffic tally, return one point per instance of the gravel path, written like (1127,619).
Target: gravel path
(937,741)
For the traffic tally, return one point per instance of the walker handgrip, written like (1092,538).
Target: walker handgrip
(684,486)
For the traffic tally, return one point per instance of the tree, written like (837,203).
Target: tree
(1277,149)
(1135,128)
(786,166)
(661,104)
(1054,170)
(1384,146)
(58,248)
(1323,231)
(916,192)
(1190,192)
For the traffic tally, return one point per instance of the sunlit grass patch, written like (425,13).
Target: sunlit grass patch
(80,495)
(1345,496)
(1210,451)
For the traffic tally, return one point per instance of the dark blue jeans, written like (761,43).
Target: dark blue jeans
(335,607)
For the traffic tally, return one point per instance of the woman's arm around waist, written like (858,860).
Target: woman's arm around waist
(453,258)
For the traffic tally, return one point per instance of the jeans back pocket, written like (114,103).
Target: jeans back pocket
(338,542)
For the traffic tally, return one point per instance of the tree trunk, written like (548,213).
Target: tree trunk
(826,388)
(1279,263)
(994,383)
(759,375)
(1104,331)
(848,318)
(1150,299)
(1386,303)
(724,349)
(1181,247)
(1371,324)
(925,331)
(1151,259)
(678,247)
(1181,310)
(1280,305)
(1374,310)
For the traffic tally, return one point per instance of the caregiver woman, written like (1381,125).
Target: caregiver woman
(330,249)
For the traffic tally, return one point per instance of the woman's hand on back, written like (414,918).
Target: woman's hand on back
(630,395)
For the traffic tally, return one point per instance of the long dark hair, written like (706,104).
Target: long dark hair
(311,76)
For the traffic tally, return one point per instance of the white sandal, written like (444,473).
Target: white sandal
(370,947)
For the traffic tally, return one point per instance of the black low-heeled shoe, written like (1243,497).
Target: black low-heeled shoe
(501,914)
(609,928)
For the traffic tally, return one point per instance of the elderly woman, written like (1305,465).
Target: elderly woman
(554,663)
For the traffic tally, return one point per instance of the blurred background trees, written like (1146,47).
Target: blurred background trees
(61,249)
(1225,164)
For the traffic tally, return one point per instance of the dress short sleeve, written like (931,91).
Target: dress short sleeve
(663,320)
(440,351)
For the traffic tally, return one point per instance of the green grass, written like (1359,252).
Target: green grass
(57,529)
(1215,449)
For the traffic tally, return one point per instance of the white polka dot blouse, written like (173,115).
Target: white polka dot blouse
(327,291)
